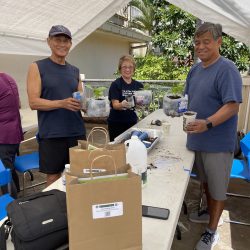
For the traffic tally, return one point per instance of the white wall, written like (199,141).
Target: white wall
(97,57)
(17,67)
(139,51)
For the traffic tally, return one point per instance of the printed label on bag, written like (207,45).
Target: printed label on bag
(94,170)
(107,210)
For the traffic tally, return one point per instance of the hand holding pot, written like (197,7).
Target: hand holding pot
(125,104)
(197,126)
(188,117)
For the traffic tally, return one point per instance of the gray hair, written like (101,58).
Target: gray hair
(214,29)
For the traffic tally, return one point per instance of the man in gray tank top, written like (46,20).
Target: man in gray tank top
(50,85)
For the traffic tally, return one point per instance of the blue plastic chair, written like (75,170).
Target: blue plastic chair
(241,167)
(5,199)
(241,170)
(24,164)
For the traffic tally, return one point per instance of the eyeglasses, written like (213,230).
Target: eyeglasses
(205,42)
(127,67)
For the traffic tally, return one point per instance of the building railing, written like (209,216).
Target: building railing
(143,81)
(155,85)
(158,87)
(165,86)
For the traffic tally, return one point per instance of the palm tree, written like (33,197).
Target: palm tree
(144,21)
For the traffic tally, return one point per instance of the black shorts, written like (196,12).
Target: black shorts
(8,153)
(54,153)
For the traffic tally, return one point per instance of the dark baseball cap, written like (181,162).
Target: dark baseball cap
(59,30)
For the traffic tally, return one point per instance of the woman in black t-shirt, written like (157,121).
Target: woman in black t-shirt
(121,95)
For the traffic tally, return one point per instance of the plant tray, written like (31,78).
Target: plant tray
(154,136)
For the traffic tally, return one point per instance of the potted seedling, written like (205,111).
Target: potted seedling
(98,105)
(158,95)
(174,103)
(143,99)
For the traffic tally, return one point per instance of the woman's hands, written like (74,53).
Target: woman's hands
(125,104)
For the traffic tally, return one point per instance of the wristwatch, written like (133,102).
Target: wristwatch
(209,124)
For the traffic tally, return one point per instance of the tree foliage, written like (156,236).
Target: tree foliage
(145,21)
(159,68)
(172,30)
(236,51)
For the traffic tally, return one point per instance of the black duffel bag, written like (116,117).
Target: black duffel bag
(38,221)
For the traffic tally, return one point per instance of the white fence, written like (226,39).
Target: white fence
(244,114)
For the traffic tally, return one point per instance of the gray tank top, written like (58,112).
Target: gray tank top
(59,82)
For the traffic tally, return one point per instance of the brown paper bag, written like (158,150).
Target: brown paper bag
(105,214)
(80,155)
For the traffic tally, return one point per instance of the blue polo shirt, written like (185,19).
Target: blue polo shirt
(208,90)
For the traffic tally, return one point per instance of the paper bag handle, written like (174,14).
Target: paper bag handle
(93,151)
(100,129)
(100,157)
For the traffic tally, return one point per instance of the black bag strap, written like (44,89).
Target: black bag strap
(4,233)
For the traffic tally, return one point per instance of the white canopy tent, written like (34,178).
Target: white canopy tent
(24,25)
(233,15)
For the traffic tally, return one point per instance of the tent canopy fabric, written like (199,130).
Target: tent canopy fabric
(25,24)
(233,15)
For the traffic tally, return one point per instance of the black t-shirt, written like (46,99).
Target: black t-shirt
(117,91)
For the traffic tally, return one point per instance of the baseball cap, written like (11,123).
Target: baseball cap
(59,30)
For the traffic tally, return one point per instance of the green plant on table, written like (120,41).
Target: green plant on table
(158,95)
(177,89)
(98,92)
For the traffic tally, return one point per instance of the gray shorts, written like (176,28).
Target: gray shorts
(214,169)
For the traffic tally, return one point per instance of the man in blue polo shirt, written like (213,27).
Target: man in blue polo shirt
(214,91)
